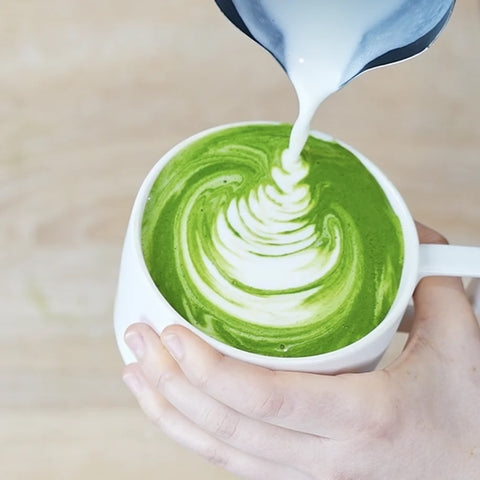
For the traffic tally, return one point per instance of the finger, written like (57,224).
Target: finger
(407,320)
(183,431)
(442,318)
(425,235)
(441,305)
(255,437)
(327,406)
(473,292)
(428,235)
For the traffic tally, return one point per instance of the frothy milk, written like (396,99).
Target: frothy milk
(317,42)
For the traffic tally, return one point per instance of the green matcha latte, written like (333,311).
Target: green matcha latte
(273,257)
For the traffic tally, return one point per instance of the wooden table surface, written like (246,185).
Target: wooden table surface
(92,93)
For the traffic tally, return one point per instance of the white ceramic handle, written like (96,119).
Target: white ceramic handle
(449,260)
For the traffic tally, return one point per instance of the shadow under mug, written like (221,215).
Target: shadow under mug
(139,300)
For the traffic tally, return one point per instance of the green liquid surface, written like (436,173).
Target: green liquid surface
(279,259)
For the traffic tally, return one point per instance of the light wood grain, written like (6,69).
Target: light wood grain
(92,93)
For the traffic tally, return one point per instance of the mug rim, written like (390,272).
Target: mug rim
(405,290)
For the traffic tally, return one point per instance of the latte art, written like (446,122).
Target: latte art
(270,255)
(268,245)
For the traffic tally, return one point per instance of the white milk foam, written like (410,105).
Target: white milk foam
(265,245)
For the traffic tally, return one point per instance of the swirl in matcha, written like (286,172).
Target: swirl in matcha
(272,255)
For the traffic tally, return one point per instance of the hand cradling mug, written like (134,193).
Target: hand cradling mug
(305,265)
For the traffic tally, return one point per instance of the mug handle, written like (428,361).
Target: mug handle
(448,260)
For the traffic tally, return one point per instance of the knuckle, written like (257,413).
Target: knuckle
(383,424)
(161,381)
(202,378)
(225,425)
(162,420)
(216,456)
(373,411)
(381,427)
(385,411)
(155,412)
(272,405)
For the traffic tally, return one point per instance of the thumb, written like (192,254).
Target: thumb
(442,309)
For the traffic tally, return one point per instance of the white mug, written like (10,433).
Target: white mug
(139,300)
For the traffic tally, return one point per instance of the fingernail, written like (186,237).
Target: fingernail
(136,344)
(173,345)
(133,383)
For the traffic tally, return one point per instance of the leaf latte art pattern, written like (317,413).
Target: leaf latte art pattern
(270,255)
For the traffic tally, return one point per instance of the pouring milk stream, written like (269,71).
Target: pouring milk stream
(323,44)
